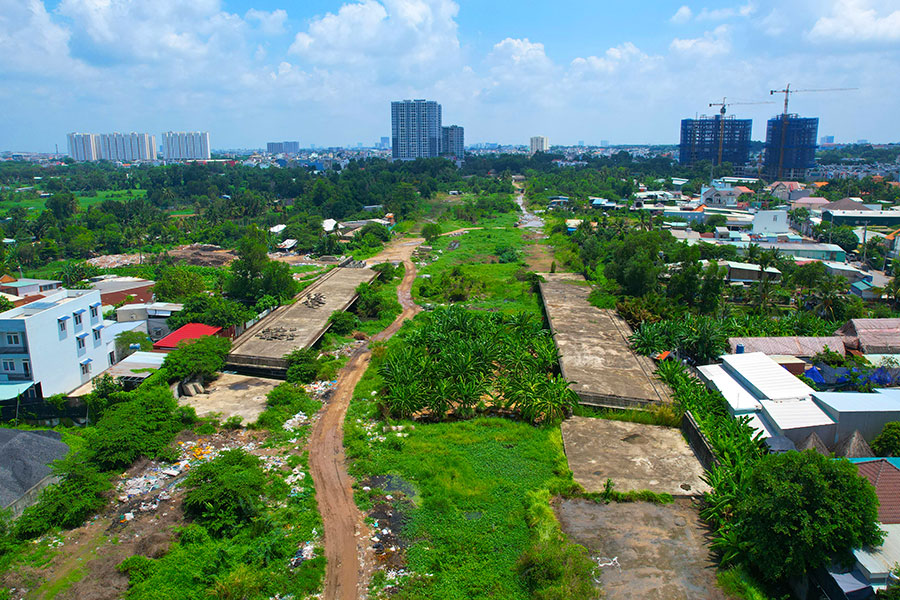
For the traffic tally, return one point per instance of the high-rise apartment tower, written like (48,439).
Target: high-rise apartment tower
(186,145)
(540,143)
(415,129)
(453,141)
(707,138)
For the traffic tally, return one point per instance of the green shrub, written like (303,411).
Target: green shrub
(303,365)
(888,441)
(203,357)
(224,494)
(65,504)
(137,568)
(343,323)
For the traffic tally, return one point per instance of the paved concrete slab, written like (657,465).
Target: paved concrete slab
(298,325)
(662,550)
(233,395)
(593,348)
(633,455)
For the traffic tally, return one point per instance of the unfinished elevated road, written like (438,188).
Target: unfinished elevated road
(593,348)
(260,349)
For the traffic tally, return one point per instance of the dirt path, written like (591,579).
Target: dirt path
(346,535)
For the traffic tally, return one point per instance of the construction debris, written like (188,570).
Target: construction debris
(314,300)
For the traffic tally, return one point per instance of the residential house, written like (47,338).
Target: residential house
(783,190)
(768,222)
(26,286)
(154,313)
(52,346)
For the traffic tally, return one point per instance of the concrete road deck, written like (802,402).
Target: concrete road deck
(232,395)
(593,348)
(633,455)
(298,325)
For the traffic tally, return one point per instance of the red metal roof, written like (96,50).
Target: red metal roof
(885,477)
(191,331)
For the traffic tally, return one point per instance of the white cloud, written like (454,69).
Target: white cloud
(713,43)
(856,20)
(721,14)
(392,36)
(615,59)
(682,15)
(30,42)
(270,23)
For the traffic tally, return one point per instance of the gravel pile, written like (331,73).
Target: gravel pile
(26,460)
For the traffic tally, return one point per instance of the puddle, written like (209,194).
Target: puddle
(392,484)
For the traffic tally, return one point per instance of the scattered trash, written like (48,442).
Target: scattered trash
(306,552)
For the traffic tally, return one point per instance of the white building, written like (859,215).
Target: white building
(127,146)
(540,143)
(84,146)
(770,222)
(52,346)
(186,145)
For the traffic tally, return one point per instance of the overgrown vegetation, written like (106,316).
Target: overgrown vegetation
(457,361)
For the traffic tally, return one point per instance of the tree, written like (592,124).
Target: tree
(254,275)
(888,441)
(216,310)
(431,232)
(62,205)
(127,339)
(178,283)
(711,288)
(202,357)
(225,493)
(800,510)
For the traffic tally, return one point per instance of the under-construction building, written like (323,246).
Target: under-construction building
(790,147)
(717,139)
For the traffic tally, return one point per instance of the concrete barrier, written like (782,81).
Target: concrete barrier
(30,497)
(698,442)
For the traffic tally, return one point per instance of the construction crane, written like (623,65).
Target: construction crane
(787,91)
(724,105)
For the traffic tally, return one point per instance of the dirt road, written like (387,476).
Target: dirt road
(346,535)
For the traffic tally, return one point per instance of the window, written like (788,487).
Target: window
(80,343)
(96,335)
(12,339)
(85,368)
(26,368)
(9,365)
(93,312)
(62,326)
(78,319)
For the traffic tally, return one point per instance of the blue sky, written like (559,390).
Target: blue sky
(324,72)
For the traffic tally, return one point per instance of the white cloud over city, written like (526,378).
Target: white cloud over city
(248,75)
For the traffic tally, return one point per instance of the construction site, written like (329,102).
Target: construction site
(594,353)
(261,349)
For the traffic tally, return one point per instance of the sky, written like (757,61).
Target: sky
(324,72)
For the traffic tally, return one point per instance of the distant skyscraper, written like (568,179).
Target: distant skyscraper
(581,143)
(186,145)
(790,146)
(127,146)
(826,139)
(540,143)
(283,147)
(701,139)
(604,143)
(453,141)
(415,129)
(385,143)
(84,146)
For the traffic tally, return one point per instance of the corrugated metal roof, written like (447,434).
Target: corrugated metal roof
(764,377)
(795,414)
(191,331)
(859,401)
(882,560)
(740,400)
(789,345)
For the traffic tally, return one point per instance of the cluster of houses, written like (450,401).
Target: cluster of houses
(760,384)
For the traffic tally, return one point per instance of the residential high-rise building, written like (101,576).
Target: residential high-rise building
(540,143)
(415,129)
(283,147)
(385,143)
(709,138)
(790,147)
(581,143)
(84,146)
(453,141)
(826,139)
(186,145)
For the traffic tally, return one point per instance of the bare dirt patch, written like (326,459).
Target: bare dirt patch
(232,395)
(661,549)
(538,257)
(633,455)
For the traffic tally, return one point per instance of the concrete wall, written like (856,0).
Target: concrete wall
(30,497)
(699,444)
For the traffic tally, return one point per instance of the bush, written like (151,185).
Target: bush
(343,323)
(224,494)
(203,357)
(143,425)
(66,504)
(303,365)
(888,441)
(137,568)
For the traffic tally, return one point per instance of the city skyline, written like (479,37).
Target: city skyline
(628,74)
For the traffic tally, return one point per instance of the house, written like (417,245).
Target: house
(154,313)
(811,203)
(831,252)
(872,336)
(189,332)
(848,272)
(804,347)
(26,286)
(52,346)
(276,229)
(739,272)
(727,198)
(767,222)
(846,204)
(558,202)
(115,289)
(783,189)
(866,413)
(287,245)
(866,291)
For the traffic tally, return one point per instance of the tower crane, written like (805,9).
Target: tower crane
(787,91)
(723,104)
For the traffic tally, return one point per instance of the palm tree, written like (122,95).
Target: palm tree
(829,293)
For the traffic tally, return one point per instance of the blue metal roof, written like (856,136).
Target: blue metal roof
(62,318)
(78,312)
(12,389)
(879,401)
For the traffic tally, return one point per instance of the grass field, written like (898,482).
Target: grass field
(497,286)
(467,528)
(35,205)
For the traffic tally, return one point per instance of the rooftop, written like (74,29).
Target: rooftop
(765,378)
(885,478)
(191,331)
(50,300)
